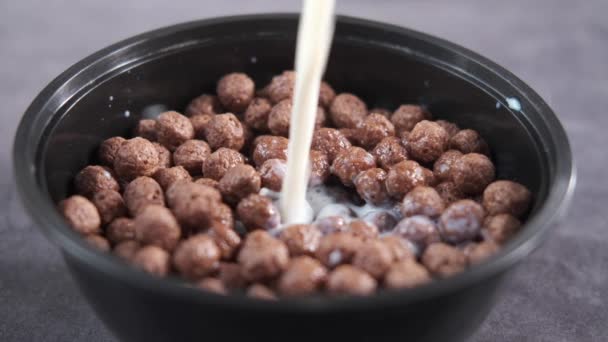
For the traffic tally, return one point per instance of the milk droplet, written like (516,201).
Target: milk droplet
(111,98)
(498,105)
(127,113)
(254,59)
(513,103)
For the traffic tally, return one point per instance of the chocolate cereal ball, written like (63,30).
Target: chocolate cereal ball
(373,129)
(427,141)
(196,257)
(110,205)
(370,185)
(461,221)
(258,212)
(304,275)
(472,173)
(191,155)
(419,230)
(478,252)
(194,205)
(389,151)
(347,111)
(280,114)
(337,248)
(80,214)
(204,104)
(383,220)
(331,224)
(120,230)
(235,91)
(422,200)
(220,161)
(152,259)
(326,94)
(262,292)
(374,258)
(404,176)
(469,141)
(500,228)
(98,241)
(126,250)
(108,149)
(225,130)
(319,167)
(199,123)
(429,177)
(256,115)
(93,179)
(230,275)
(173,129)
(406,274)
(443,165)
(227,240)
(213,285)
(362,228)
(269,147)
(449,192)
(407,116)
(164,156)
(301,239)
(330,141)
(136,157)
(508,197)
(272,173)
(141,192)
(146,128)
(382,111)
(262,256)
(156,225)
(399,248)
(281,86)
(167,176)
(239,182)
(208,182)
(449,127)
(349,280)
(443,260)
(350,162)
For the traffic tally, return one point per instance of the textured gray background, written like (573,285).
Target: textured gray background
(559,47)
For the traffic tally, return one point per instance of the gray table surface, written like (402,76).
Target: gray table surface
(559,47)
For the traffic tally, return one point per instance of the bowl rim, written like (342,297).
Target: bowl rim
(27,147)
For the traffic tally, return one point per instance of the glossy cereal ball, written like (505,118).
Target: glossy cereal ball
(362,228)
(407,116)
(239,182)
(152,259)
(422,200)
(256,115)
(110,205)
(225,130)
(444,164)
(330,141)
(472,173)
(173,129)
(141,192)
(406,274)
(93,179)
(191,155)
(338,248)
(262,256)
(347,111)
(399,248)
(281,86)
(373,129)
(108,150)
(258,212)
(272,173)
(469,141)
(370,185)
(508,197)
(319,168)
(120,230)
(146,128)
(301,239)
(403,177)
(303,275)
(220,161)
(382,219)
(235,91)
(389,151)
(420,230)
(427,141)
(443,260)
(461,221)
(269,147)
(374,258)
(80,214)
(167,176)
(156,225)
(196,257)
(350,162)
(449,127)
(500,228)
(136,157)
(204,104)
(349,280)
(449,192)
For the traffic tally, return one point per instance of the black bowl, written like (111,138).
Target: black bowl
(105,94)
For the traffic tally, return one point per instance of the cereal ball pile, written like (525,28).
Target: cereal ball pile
(402,199)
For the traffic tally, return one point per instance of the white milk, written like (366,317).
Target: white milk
(315,33)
